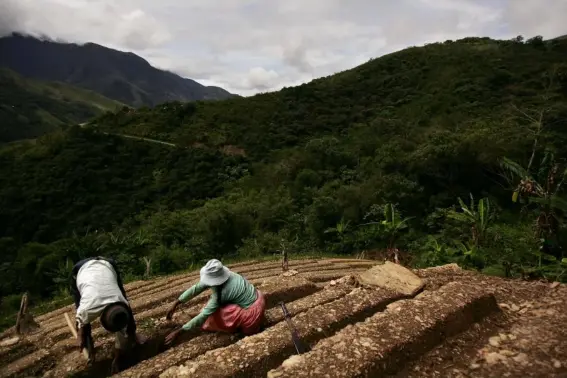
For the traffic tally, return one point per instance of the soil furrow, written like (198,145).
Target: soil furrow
(275,290)
(386,341)
(153,367)
(29,365)
(134,288)
(254,356)
(329,276)
(267,271)
(57,327)
(274,266)
(428,336)
(9,355)
(146,306)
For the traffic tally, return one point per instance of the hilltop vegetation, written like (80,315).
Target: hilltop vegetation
(380,158)
(440,87)
(122,76)
(31,108)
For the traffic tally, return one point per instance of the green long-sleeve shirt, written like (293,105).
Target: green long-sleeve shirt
(236,290)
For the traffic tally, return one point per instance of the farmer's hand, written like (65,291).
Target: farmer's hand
(169,314)
(171,311)
(172,336)
(114,366)
(80,337)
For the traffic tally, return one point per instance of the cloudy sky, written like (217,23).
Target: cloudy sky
(251,46)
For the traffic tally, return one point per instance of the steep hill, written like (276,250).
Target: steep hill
(31,108)
(118,75)
(378,160)
(437,88)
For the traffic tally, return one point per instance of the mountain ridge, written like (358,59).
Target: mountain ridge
(30,108)
(118,75)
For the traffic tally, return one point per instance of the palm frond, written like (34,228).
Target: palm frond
(460,217)
(554,201)
(514,168)
(465,208)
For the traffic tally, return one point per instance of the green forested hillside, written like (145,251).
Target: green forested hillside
(30,108)
(374,160)
(441,86)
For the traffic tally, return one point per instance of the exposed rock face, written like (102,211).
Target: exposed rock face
(392,277)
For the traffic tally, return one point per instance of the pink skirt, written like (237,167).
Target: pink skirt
(231,318)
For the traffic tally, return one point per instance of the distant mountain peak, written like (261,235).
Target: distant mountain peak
(118,75)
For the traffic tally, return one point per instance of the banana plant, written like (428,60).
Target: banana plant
(340,229)
(391,226)
(471,254)
(543,190)
(478,219)
(438,253)
(60,274)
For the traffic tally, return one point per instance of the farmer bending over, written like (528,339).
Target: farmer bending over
(98,292)
(235,304)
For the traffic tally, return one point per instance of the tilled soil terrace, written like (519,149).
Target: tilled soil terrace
(462,325)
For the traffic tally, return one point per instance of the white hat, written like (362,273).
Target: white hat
(214,273)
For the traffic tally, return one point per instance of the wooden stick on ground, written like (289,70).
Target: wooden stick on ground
(74,332)
(24,321)
(21,312)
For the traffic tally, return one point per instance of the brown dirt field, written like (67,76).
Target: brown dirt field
(149,304)
(386,340)
(144,302)
(462,325)
(528,339)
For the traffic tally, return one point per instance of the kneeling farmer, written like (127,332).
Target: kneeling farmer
(98,292)
(235,304)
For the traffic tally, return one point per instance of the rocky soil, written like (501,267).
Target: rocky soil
(461,324)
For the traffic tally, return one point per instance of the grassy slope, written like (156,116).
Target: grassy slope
(30,108)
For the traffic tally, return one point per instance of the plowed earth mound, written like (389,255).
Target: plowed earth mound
(461,325)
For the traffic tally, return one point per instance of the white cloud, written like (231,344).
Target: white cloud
(260,78)
(127,26)
(532,17)
(247,46)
